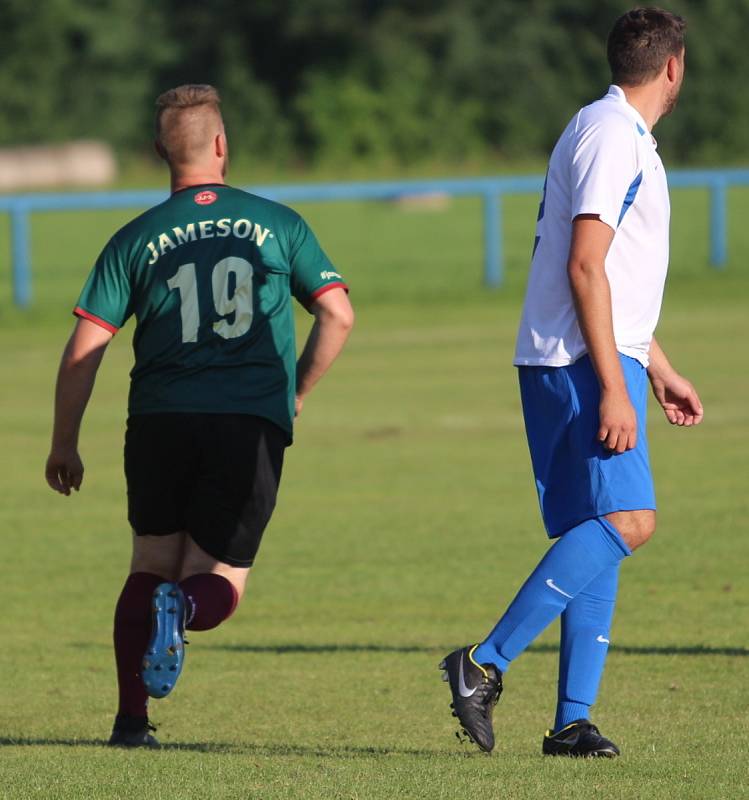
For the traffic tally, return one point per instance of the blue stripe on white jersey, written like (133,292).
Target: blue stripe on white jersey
(630,196)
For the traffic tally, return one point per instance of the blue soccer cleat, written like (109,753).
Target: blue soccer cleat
(165,655)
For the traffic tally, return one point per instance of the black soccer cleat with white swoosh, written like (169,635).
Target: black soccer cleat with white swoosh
(475,689)
(579,739)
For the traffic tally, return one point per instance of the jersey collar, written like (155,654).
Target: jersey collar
(198,186)
(616,93)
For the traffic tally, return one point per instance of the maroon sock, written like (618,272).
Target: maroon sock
(210,600)
(132,630)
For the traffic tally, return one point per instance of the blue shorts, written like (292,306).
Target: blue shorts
(576,477)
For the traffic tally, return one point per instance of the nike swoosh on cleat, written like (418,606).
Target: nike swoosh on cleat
(601,639)
(462,688)
(550,583)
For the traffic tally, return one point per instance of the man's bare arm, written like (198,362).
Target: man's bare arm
(334,318)
(677,396)
(591,292)
(75,381)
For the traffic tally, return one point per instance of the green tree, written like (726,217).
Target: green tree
(348,80)
(78,68)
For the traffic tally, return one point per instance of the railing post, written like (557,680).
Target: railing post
(19,226)
(493,271)
(718,223)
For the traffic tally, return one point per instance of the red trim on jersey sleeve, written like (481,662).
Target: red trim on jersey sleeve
(80,312)
(327,288)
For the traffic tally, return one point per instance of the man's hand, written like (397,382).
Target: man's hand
(75,380)
(678,398)
(676,395)
(298,405)
(618,422)
(64,470)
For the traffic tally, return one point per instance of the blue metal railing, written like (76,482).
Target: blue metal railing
(492,190)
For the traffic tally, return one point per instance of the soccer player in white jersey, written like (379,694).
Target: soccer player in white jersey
(585,351)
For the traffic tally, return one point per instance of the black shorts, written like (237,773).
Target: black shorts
(215,476)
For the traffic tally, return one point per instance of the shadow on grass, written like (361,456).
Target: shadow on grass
(323,648)
(283,649)
(659,650)
(311,649)
(249,748)
(9,741)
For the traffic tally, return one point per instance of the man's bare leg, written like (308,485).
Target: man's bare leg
(159,555)
(212,588)
(635,527)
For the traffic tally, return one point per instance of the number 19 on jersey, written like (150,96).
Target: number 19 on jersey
(226,303)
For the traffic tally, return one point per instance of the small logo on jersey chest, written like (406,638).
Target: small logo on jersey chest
(205,198)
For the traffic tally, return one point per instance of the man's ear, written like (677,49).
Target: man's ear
(673,68)
(158,147)
(220,146)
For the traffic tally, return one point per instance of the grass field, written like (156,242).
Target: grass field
(406,522)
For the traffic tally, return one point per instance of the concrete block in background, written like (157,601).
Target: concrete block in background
(83,163)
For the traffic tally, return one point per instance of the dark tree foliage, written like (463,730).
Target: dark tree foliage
(348,80)
(79,69)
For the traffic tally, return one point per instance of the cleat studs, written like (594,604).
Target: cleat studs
(443,664)
(166,687)
(445,677)
(172,610)
(173,668)
(157,668)
(171,650)
(172,593)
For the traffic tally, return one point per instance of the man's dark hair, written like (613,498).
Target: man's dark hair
(641,42)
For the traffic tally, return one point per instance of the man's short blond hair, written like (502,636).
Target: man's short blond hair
(187,119)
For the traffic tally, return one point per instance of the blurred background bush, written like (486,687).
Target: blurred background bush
(309,84)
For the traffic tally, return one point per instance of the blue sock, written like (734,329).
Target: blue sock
(576,558)
(586,623)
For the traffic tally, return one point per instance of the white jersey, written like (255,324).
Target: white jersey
(604,163)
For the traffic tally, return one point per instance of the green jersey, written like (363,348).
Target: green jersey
(209,275)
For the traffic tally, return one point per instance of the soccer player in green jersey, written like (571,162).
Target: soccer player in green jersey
(209,276)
